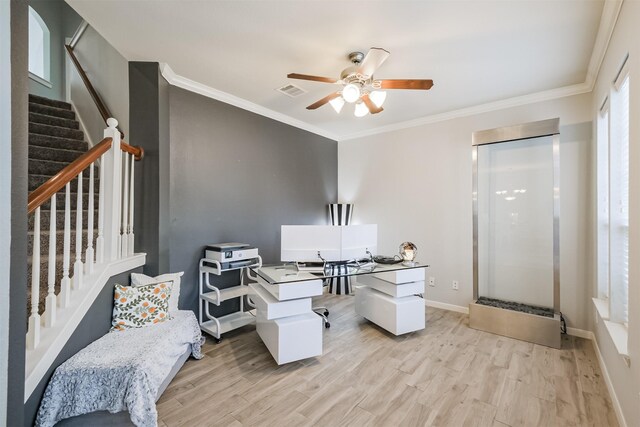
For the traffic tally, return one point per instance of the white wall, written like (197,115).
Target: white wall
(416,185)
(5,197)
(625,380)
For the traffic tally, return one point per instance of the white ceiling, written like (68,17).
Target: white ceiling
(476,52)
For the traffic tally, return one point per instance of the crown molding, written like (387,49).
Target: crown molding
(477,109)
(199,88)
(608,19)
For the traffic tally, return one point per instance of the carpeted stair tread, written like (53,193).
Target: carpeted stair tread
(44,281)
(49,102)
(57,142)
(44,275)
(51,167)
(51,111)
(45,217)
(56,131)
(61,202)
(55,154)
(36,181)
(44,241)
(53,121)
(45,167)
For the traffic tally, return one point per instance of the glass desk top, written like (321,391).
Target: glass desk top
(285,273)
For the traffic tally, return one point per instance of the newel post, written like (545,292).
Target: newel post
(112,163)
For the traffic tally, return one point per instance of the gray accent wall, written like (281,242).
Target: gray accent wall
(236,176)
(149,118)
(95,324)
(18,250)
(215,173)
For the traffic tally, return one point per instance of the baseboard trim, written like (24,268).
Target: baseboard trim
(446,306)
(607,379)
(83,128)
(580,333)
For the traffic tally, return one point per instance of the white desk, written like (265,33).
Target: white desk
(387,295)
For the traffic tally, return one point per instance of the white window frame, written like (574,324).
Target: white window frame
(612,233)
(45,78)
(602,194)
(619,204)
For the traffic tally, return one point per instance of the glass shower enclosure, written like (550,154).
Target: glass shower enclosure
(516,231)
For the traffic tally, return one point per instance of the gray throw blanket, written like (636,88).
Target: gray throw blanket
(120,371)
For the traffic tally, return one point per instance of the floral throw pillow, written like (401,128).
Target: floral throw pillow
(137,307)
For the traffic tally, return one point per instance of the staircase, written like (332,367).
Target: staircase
(55,140)
(80,222)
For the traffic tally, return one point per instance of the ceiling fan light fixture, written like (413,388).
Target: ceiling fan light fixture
(361,109)
(337,104)
(351,93)
(378,97)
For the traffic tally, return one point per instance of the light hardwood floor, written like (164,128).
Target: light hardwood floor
(445,375)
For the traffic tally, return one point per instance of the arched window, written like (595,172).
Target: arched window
(39,47)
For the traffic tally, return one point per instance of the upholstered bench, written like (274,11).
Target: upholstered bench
(117,379)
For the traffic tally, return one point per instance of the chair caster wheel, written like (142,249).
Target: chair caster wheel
(327,325)
(326,313)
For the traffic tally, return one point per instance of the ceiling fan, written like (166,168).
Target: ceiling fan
(359,86)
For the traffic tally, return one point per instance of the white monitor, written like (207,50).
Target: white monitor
(334,243)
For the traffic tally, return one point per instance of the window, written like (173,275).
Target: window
(39,48)
(603,201)
(613,199)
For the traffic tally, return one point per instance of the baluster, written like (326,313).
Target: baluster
(77,265)
(65,285)
(112,165)
(88,256)
(117,184)
(131,238)
(50,302)
(100,239)
(33,335)
(125,208)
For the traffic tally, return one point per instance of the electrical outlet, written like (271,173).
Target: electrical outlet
(455,285)
(432,281)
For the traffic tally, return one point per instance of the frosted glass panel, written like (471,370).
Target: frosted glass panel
(515,221)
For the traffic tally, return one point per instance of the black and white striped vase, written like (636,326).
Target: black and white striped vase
(340,213)
(340,285)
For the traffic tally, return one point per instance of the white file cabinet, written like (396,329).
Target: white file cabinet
(391,300)
(284,319)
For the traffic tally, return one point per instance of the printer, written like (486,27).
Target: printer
(232,254)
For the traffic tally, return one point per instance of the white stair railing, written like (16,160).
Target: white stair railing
(130,232)
(65,283)
(115,238)
(125,207)
(50,302)
(33,333)
(77,266)
(89,255)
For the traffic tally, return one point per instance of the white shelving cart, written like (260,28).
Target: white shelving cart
(210,294)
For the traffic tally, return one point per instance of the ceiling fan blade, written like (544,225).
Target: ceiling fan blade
(312,78)
(406,84)
(323,101)
(374,59)
(373,109)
